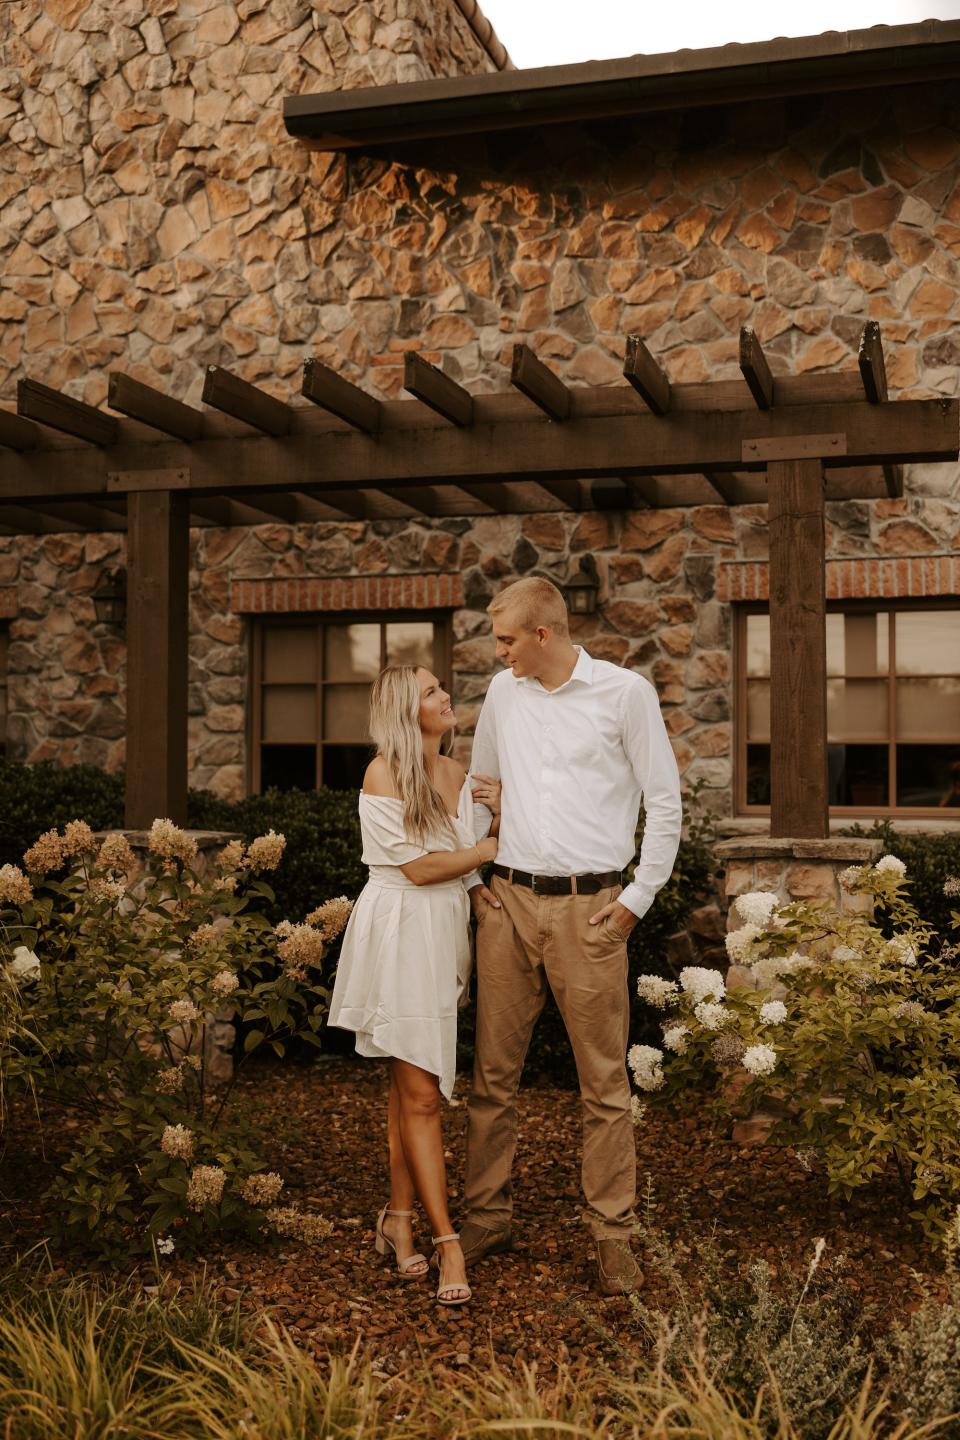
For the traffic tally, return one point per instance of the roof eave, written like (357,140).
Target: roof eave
(562,94)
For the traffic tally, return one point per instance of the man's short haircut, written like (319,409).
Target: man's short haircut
(534,602)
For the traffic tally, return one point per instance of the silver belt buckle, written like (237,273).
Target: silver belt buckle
(533,884)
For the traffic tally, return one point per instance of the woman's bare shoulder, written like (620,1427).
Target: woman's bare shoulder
(377,779)
(453,771)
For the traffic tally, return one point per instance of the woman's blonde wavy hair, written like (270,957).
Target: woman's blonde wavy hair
(395,730)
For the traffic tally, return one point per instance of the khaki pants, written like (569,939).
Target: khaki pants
(533,941)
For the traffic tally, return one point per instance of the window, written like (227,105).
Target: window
(893,709)
(311,681)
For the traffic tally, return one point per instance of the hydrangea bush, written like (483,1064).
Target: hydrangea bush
(850,1038)
(113,970)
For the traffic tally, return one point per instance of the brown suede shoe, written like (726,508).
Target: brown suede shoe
(617,1268)
(478,1240)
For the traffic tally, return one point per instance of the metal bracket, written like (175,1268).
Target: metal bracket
(126,480)
(794,447)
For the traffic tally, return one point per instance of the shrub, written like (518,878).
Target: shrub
(120,969)
(850,1039)
(35,798)
(930,861)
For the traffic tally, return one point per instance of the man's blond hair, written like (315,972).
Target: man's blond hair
(534,602)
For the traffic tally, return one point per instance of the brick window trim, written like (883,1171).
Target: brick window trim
(889,577)
(353,592)
(9,602)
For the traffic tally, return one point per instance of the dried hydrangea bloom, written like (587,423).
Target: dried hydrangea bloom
(656,991)
(169,842)
(300,947)
(15,888)
(293,1223)
(266,852)
(170,1081)
(104,888)
(205,1186)
(701,983)
(727,1051)
(204,935)
(757,907)
(194,1061)
(637,1109)
(116,854)
(951,886)
(45,854)
(262,1189)
(78,838)
(231,856)
(760,1059)
(224,983)
(182,1012)
(331,917)
(177,1142)
(910,1010)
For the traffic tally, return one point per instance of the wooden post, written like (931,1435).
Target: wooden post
(798,650)
(158,562)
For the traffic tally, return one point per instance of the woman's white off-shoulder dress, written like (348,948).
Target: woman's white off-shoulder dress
(406,954)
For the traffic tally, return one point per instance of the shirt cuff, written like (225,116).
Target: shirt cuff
(637,898)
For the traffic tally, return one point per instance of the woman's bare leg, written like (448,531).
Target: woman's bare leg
(418,1104)
(402,1193)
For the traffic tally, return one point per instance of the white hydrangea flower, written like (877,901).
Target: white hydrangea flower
(656,991)
(892,865)
(711,1016)
(843,953)
(701,983)
(774,1012)
(675,1038)
(951,886)
(165,1246)
(637,1109)
(760,1059)
(646,1062)
(850,877)
(901,951)
(757,907)
(739,943)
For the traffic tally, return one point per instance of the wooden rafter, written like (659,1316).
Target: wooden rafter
(324,387)
(16,433)
(61,412)
(873,373)
(151,407)
(755,370)
(537,381)
(437,390)
(233,396)
(645,375)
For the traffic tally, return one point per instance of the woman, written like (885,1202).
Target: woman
(405,959)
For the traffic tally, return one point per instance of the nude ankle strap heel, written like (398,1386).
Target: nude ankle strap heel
(444,1292)
(385,1246)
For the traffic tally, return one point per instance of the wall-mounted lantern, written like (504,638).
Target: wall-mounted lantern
(110,598)
(583,590)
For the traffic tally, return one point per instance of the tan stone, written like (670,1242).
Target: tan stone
(690,228)
(810,882)
(770,320)
(708,669)
(218,26)
(759,234)
(44,329)
(933,149)
(692,298)
(820,354)
(876,210)
(654,284)
(812,319)
(677,639)
(933,297)
(65,13)
(905,537)
(645,529)
(594,531)
(902,368)
(479,277)
(867,276)
(440,551)
(631,618)
(738,877)
(715,522)
(535,310)
(714,741)
(686,366)
(547,531)
(665,563)
(594,367)
(783,209)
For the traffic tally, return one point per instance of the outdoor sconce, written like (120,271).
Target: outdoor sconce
(583,590)
(110,598)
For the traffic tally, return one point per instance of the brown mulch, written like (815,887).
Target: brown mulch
(325,1128)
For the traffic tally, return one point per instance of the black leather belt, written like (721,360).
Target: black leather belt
(560,884)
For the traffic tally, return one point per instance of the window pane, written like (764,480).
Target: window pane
(758,774)
(288,767)
(410,643)
(289,654)
(929,775)
(857,710)
(857,775)
(344,765)
(928,642)
(346,712)
(758,644)
(290,713)
(857,644)
(928,709)
(351,652)
(758,710)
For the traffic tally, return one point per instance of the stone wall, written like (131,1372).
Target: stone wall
(154,216)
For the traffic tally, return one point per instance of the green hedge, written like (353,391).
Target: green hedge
(930,860)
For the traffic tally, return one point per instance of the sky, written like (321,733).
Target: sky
(559,32)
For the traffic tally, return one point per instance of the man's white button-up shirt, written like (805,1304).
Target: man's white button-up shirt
(575,763)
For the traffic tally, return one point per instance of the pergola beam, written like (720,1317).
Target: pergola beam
(537,381)
(873,373)
(646,376)
(233,396)
(755,370)
(61,412)
(437,390)
(151,407)
(340,397)
(16,433)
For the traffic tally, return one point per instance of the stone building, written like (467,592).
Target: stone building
(157,217)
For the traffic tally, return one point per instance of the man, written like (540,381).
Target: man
(576,743)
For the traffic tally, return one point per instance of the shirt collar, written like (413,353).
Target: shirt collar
(582,673)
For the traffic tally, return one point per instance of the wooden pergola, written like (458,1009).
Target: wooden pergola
(250,458)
